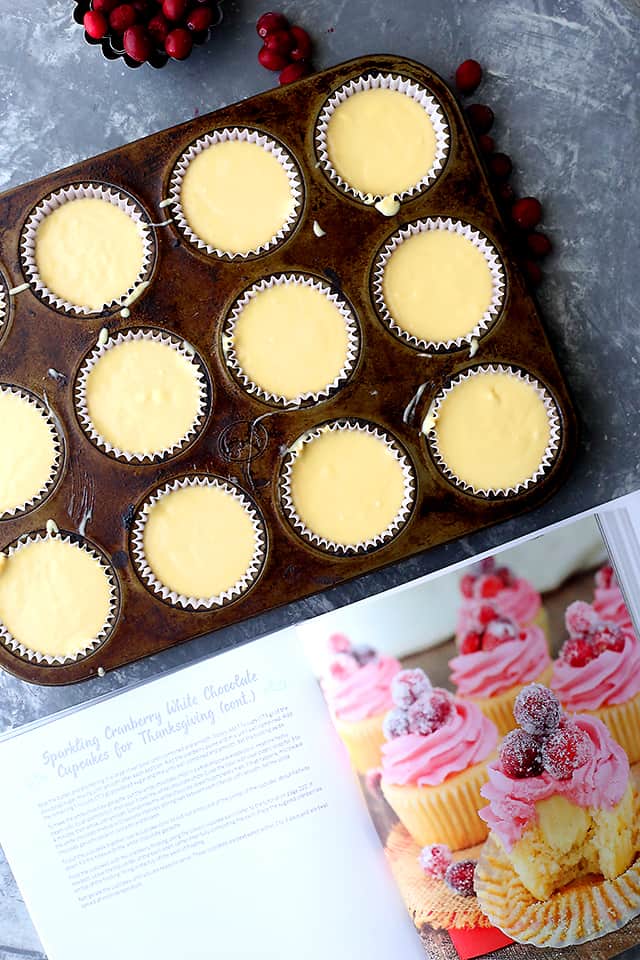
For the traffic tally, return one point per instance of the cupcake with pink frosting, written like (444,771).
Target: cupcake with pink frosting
(598,672)
(497,659)
(513,597)
(608,601)
(435,761)
(357,688)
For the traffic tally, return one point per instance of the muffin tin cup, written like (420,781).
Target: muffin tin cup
(77,191)
(363,546)
(172,597)
(248,135)
(56,468)
(386,81)
(480,242)
(81,543)
(286,279)
(550,453)
(155,336)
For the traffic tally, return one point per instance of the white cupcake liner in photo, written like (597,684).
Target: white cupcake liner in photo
(47,488)
(78,191)
(156,336)
(285,279)
(240,587)
(248,135)
(363,546)
(80,543)
(387,81)
(430,422)
(480,242)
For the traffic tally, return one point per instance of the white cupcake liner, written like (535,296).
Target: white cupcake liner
(480,242)
(246,134)
(147,575)
(363,546)
(102,347)
(77,191)
(34,656)
(46,489)
(299,279)
(4,303)
(549,455)
(387,81)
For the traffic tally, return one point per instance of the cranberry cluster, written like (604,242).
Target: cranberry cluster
(437,862)
(588,635)
(143,27)
(487,581)
(419,707)
(348,657)
(285,48)
(547,741)
(491,630)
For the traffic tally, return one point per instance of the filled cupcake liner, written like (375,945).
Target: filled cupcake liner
(387,81)
(101,348)
(80,543)
(341,549)
(244,583)
(77,191)
(363,740)
(581,911)
(47,488)
(351,325)
(446,813)
(623,722)
(4,304)
(430,423)
(499,708)
(480,242)
(248,135)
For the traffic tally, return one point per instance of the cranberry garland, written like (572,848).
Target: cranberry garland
(286,49)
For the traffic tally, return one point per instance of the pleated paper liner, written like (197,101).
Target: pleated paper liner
(483,323)
(623,722)
(161,590)
(429,429)
(5,303)
(410,88)
(307,397)
(155,336)
(249,135)
(75,191)
(58,446)
(363,546)
(80,543)
(363,739)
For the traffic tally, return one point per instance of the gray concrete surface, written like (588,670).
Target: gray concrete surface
(563,79)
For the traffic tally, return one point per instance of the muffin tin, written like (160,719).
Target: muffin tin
(246,439)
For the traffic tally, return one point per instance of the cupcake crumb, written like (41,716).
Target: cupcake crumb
(388,206)
(52,527)
(317,229)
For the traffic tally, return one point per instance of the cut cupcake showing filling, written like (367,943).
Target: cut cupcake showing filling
(30,450)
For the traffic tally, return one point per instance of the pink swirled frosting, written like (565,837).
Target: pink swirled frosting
(600,783)
(489,672)
(609,604)
(519,602)
(365,692)
(608,679)
(468,737)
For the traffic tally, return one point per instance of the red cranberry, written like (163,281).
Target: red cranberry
(565,751)
(486,143)
(435,859)
(527,212)
(468,76)
(466,585)
(95,24)
(499,632)
(295,71)
(408,686)
(178,43)
(137,43)
(302,46)
(506,193)
(280,41)
(158,29)
(537,709)
(459,877)
(141,7)
(500,166)
(532,272)
(539,244)
(520,755)
(339,643)
(122,17)
(505,575)
(104,6)
(272,60)
(487,565)
(471,642)
(269,23)
(580,617)
(491,586)
(608,638)
(363,654)
(395,724)
(578,652)
(486,614)
(200,19)
(605,577)
(174,9)
(481,117)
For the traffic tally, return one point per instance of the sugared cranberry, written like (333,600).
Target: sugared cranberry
(486,565)
(435,859)
(505,575)
(270,22)
(200,19)
(174,9)
(302,45)
(527,212)
(459,877)
(539,244)
(580,617)
(363,654)
(121,18)
(280,41)
(566,750)
(466,585)
(343,665)
(578,652)
(339,643)
(486,143)
(500,166)
(95,23)
(481,117)
(408,686)
(104,6)
(486,614)
(295,71)
(491,586)
(271,60)
(608,637)
(537,709)
(430,712)
(137,43)
(158,29)
(498,632)
(532,272)
(520,755)
(178,43)
(468,76)
(395,724)
(605,577)
(471,642)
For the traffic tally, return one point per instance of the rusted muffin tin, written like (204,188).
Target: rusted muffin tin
(190,295)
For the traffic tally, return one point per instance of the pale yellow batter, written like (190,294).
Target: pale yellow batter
(54,597)
(199,541)
(290,339)
(27,442)
(492,430)
(89,252)
(437,285)
(143,396)
(236,196)
(381,141)
(347,486)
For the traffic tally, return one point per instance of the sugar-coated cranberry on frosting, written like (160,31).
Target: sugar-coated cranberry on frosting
(513,597)
(357,683)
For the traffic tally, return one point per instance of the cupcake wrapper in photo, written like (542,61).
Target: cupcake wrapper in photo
(480,242)
(157,336)
(363,740)
(76,191)
(240,587)
(323,543)
(388,81)
(550,453)
(499,709)
(623,722)
(277,150)
(351,325)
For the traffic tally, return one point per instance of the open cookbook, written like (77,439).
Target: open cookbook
(449,769)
